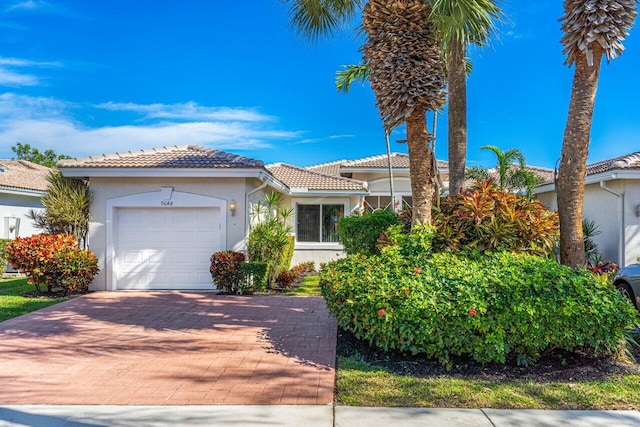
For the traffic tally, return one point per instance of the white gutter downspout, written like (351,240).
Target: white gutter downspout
(621,237)
(246,204)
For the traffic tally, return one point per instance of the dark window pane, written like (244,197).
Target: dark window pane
(330,216)
(308,223)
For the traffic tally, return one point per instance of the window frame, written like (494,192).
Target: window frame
(344,202)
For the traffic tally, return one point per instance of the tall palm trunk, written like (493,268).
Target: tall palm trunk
(457,115)
(573,163)
(421,166)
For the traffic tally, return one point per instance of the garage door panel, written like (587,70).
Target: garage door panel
(166,248)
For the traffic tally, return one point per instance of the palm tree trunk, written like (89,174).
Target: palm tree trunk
(457,115)
(573,163)
(421,166)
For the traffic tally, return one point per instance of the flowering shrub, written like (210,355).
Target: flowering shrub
(225,270)
(53,260)
(493,308)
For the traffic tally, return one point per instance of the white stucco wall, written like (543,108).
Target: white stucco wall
(14,205)
(604,208)
(108,188)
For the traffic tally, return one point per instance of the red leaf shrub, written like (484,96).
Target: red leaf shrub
(53,260)
(285,279)
(303,268)
(225,269)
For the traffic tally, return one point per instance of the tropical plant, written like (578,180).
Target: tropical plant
(270,240)
(592,28)
(47,158)
(589,231)
(486,218)
(504,161)
(402,53)
(459,24)
(66,207)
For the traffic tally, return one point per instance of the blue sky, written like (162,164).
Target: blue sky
(92,77)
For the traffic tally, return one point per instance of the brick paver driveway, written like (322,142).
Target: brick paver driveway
(170,348)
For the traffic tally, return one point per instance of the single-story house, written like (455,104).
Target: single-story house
(22,186)
(612,200)
(159,214)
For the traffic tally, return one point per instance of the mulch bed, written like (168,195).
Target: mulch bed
(555,366)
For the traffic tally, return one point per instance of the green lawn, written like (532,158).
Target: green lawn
(310,287)
(13,304)
(360,384)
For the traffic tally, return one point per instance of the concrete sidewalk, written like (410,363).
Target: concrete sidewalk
(301,415)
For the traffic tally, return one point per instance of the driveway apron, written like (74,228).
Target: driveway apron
(170,348)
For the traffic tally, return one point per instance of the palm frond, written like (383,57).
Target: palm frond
(351,73)
(317,18)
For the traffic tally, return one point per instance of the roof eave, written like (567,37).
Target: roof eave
(609,175)
(311,192)
(22,191)
(162,172)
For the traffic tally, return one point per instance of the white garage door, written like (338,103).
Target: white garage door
(170,248)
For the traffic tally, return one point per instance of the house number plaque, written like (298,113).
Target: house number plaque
(166,202)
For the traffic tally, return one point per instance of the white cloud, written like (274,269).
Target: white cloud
(30,5)
(187,111)
(46,123)
(10,77)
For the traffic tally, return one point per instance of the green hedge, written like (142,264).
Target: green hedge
(3,256)
(492,308)
(255,275)
(359,233)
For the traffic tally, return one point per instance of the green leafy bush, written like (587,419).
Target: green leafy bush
(3,256)
(53,260)
(254,276)
(493,308)
(287,253)
(485,218)
(225,270)
(359,233)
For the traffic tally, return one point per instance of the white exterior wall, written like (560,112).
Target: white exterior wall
(108,188)
(632,221)
(603,207)
(17,206)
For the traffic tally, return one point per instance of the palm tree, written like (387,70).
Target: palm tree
(402,52)
(66,207)
(407,78)
(592,28)
(504,161)
(460,23)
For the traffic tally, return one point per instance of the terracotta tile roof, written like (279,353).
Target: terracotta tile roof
(296,177)
(331,168)
(21,174)
(627,161)
(398,160)
(179,156)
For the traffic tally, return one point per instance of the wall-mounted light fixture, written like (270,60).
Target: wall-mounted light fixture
(233,207)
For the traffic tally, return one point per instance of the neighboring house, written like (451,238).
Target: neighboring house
(22,185)
(375,172)
(159,214)
(612,200)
